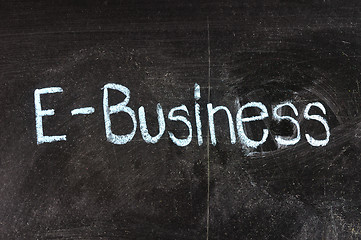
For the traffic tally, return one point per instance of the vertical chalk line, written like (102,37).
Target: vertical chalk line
(208,161)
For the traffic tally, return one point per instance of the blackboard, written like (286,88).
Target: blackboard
(76,76)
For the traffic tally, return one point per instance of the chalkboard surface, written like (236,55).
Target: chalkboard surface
(180,119)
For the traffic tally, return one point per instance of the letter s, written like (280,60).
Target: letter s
(310,139)
(279,139)
(180,142)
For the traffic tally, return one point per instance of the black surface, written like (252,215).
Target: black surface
(268,51)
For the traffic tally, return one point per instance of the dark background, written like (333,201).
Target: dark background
(268,51)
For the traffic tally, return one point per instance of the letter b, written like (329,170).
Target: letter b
(120,107)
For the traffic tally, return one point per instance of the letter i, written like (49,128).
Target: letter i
(197,96)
